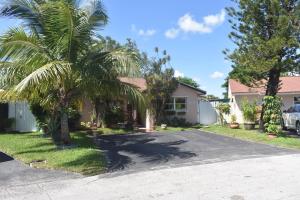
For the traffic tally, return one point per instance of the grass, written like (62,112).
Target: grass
(177,129)
(113,131)
(27,147)
(255,136)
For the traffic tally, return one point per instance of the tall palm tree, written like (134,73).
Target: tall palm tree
(51,52)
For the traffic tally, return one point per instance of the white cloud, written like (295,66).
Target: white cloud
(188,24)
(217,75)
(214,20)
(146,33)
(142,32)
(178,74)
(172,33)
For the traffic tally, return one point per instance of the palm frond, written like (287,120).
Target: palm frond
(49,73)
(124,61)
(27,10)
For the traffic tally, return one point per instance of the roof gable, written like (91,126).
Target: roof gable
(193,88)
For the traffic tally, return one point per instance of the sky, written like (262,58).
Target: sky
(193,32)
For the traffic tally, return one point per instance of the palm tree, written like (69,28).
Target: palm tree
(52,52)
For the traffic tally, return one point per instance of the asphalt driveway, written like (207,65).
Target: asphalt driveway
(141,152)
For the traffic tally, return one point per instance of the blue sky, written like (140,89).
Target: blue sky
(193,32)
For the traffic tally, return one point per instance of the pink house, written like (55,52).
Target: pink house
(289,92)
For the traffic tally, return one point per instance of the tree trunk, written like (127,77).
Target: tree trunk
(65,133)
(100,112)
(64,119)
(272,90)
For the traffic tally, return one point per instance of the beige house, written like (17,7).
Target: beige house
(289,92)
(184,103)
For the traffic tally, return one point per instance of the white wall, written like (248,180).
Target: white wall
(191,115)
(24,120)
(236,102)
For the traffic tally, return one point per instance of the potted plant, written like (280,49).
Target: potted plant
(273,130)
(249,114)
(233,124)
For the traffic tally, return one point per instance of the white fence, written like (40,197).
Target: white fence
(24,120)
(207,113)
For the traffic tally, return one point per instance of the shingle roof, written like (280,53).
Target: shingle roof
(138,82)
(287,85)
(193,88)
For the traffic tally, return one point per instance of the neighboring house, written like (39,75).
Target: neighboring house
(130,111)
(187,102)
(289,92)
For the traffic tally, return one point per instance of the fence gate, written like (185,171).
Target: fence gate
(206,113)
(24,120)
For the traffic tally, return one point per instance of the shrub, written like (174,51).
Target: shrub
(114,115)
(274,129)
(6,124)
(176,122)
(233,119)
(224,109)
(272,114)
(249,111)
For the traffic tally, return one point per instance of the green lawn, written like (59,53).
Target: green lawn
(255,136)
(112,131)
(176,129)
(27,147)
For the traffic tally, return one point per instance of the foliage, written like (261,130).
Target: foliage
(223,109)
(114,115)
(176,122)
(249,111)
(233,119)
(266,33)
(160,83)
(188,81)
(272,114)
(6,123)
(211,97)
(40,115)
(56,57)
(274,129)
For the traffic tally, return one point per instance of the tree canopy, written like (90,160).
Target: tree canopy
(266,35)
(56,56)
(188,81)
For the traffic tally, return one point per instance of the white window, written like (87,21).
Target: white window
(297,100)
(177,104)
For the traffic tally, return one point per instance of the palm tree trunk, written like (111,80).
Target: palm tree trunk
(65,132)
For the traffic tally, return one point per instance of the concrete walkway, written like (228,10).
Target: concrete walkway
(267,178)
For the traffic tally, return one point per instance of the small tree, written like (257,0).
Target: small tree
(224,109)
(249,111)
(272,114)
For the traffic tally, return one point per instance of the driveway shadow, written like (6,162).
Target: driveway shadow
(4,157)
(139,149)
